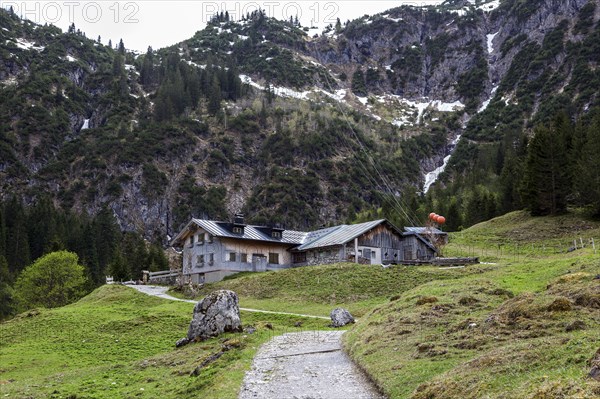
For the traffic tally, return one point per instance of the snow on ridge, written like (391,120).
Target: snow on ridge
(286,92)
(490,42)
(491,6)
(71,59)
(86,124)
(26,45)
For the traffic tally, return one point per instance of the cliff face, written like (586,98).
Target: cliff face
(258,116)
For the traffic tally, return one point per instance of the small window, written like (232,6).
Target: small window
(244,258)
(373,254)
(232,257)
(200,260)
(209,238)
(300,257)
(200,239)
(238,230)
(192,239)
(276,234)
(211,259)
(273,258)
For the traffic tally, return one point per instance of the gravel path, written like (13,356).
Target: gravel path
(161,292)
(305,365)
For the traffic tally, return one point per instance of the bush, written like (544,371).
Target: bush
(53,280)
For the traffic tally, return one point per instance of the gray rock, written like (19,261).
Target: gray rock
(217,313)
(595,363)
(182,342)
(340,317)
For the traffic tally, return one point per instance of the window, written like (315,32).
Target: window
(300,257)
(200,260)
(232,257)
(209,239)
(244,258)
(276,234)
(211,259)
(273,258)
(238,230)
(192,239)
(200,239)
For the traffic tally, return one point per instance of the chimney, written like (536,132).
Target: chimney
(238,219)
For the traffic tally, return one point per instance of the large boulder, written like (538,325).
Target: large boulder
(217,313)
(340,317)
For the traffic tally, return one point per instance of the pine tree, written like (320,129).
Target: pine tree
(2,231)
(7,302)
(17,241)
(587,171)
(359,86)
(214,97)
(121,48)
(546,172)
(118,268)
(147,72)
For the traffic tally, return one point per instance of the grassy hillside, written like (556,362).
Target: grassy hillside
(118,343)
(317,290)
(524,326)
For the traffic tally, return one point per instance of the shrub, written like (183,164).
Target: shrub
(53,280)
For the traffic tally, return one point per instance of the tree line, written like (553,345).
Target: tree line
(28,232)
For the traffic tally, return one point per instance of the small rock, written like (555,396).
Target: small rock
(250,330)
(298,324)
(574,326)
(340,317)
(182,342)
(269,326)
(597,277)
(595,363)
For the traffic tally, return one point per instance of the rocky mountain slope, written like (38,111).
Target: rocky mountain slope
(284,123)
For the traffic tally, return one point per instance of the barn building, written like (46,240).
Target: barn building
(213,250)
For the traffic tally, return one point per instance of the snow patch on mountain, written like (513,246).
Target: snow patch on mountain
(433,176)
(490,42)
(26,45)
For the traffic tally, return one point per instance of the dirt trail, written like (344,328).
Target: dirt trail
(305,365)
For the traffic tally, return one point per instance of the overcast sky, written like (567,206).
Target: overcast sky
(160,23)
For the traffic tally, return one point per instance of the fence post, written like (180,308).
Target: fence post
(594,245)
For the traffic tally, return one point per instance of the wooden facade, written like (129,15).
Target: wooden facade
(208,259)
(218,249)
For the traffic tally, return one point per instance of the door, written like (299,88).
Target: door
(259,263)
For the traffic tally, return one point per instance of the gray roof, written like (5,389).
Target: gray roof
(424,230)
(256,233)
(337,235)
(327,237)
